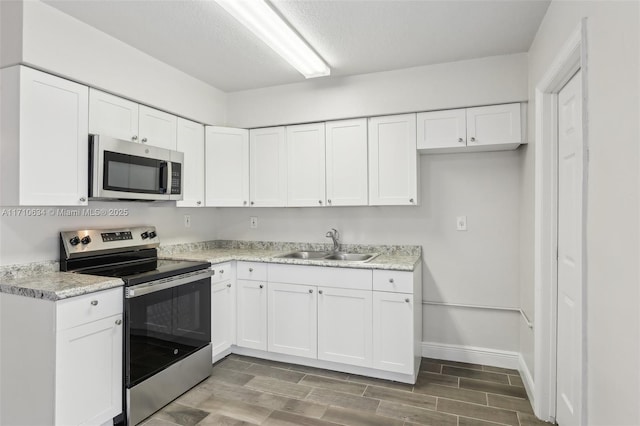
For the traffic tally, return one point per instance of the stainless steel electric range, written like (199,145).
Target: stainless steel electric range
(167,312)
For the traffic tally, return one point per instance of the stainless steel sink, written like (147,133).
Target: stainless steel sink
(305,255)
(324,255)
(351,257)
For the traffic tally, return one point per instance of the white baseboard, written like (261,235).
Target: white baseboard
(527,378)
(471,354)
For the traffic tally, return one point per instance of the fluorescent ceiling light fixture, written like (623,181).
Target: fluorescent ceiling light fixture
(265,23)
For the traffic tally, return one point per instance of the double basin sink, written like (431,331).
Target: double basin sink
(328,255)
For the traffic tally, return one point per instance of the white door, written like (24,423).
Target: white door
(393,160)
(226,167)
(496,124)
(223,303)
(346,169)
(53,140)
(345,330)
(89,372)
(113,116)
(293,320)
(442,129)
(393,332)
(268,168)
(191,143)
(570,255)
(157,128)
(305,165)
(251,316)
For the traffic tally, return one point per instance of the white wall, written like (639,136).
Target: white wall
(492,80)
(613,293)
(479,266)
(58,43)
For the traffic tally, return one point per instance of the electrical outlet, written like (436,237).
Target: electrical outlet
(187,221)
(253,222)
(461,223)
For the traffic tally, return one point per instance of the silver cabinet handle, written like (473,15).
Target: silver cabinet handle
(144,140)
(411,200)
(250,269)
(94,303)
(229,285)
(222,271)
(391,280)
(329,201)
(83,199)
(319,291)
(310,291)
(460,140)
(261,286)
(199,202)
(473,139)
(407,300)
(252,203)
(319,201)
(118,321)
(134,138)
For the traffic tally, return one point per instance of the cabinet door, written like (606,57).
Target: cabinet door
(393,332)
(305,165)
(53,141)
(112,116)
(493,125)
(345,332)
(191,143)
(268,168)
(346,163)
(158,128)
(292,319)
(223,304)
(89,372)
(442,129)
(251,317)
(393,161)
(226,167)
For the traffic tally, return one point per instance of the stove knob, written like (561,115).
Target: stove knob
(152,234)
(86,239)
(144,235)
(74,241)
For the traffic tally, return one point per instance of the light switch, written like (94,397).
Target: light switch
(461,223)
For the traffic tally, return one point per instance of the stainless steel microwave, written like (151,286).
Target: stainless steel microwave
(123,170)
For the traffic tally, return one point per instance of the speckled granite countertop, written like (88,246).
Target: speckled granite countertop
(399,258)
(43,280)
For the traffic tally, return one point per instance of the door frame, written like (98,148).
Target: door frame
(571,58)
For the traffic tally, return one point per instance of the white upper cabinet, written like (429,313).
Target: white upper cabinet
(112,116)
(268,167)
(393,162)
(486,128)
(191,143)
(226,167)
(306,165)
(346,162)
(157,128)
(442,129)
(44,139)
(123,119)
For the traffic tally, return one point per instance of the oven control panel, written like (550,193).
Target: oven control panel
(87,242)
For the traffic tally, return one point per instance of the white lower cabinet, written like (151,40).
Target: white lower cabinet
(393,345)
(69,369)
(223,311)
(345,328)
(292,313)
(251,319)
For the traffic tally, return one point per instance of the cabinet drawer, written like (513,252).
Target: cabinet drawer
(357,279)
(222,272)
(251,271)
(393,281)
(89,307)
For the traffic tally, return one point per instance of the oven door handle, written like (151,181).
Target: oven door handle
(163,284)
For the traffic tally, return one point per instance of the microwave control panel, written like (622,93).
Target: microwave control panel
(176,178)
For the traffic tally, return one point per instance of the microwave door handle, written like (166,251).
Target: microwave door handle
(164,173)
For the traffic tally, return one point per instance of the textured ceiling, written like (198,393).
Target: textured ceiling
(354,37)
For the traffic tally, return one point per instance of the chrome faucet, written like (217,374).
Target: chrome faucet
(335,236)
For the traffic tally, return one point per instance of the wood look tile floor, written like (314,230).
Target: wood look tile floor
(250,391)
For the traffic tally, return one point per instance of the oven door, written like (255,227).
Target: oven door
(166,321)
(127,170)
